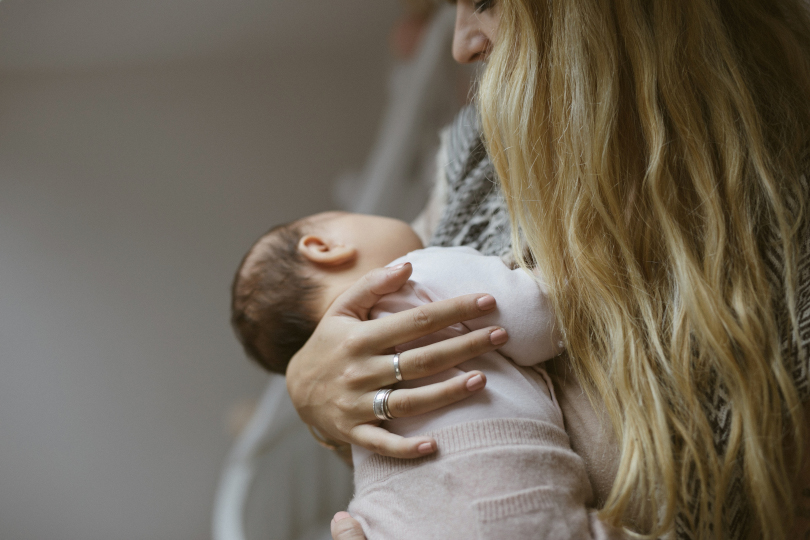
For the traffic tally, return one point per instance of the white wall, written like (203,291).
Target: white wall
(127,197)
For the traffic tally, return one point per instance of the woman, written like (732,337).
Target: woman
(652,155)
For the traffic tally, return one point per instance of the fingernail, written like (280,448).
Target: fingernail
(425,448)
(485,303)
(340,516)
(499,337)
(397,268)
(475,383)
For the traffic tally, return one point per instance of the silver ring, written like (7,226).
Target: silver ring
(380,405)
(397,372)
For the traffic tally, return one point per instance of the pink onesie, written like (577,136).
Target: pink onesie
(504,468)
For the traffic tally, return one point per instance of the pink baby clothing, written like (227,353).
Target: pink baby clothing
(504,468)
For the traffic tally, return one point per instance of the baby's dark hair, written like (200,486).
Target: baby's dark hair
(272,297)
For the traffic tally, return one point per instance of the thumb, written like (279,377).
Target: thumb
(345,527)
(361,297)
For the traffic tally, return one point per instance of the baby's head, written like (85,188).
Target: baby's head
(293,273)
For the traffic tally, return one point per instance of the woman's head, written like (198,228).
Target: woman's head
(651,154)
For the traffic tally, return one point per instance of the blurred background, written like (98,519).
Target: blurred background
(143,148)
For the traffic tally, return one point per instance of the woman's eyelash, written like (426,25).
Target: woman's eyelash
(482,5)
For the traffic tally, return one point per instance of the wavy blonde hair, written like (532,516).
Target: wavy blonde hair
(651,153)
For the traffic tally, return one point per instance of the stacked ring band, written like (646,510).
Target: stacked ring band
(397,372)
(381,410)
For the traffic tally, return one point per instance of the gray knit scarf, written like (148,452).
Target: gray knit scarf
(476,216)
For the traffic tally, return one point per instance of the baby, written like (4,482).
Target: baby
(504,467)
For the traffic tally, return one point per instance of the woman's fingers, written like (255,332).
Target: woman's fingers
(438,357)
(416,401)
(383,442)
(412,402)
(414,323)
(345,527)
(431,359)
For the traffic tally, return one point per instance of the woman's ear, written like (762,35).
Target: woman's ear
(322,252)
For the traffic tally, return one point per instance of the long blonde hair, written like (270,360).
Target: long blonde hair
(651,154)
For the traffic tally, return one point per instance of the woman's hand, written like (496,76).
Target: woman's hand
(332,380)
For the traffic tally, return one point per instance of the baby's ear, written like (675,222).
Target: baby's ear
(320,251)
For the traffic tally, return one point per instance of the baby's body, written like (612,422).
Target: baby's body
(504,467)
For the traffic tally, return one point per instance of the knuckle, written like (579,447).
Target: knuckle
(475,345)
(422,320)
(345,405)
(352,376)
(347,434)
(371,280)
(367,281)
(353,342)
(341,432)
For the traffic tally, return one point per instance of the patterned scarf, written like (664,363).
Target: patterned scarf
(476,215)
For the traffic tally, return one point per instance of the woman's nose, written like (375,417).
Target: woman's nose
(470,43)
